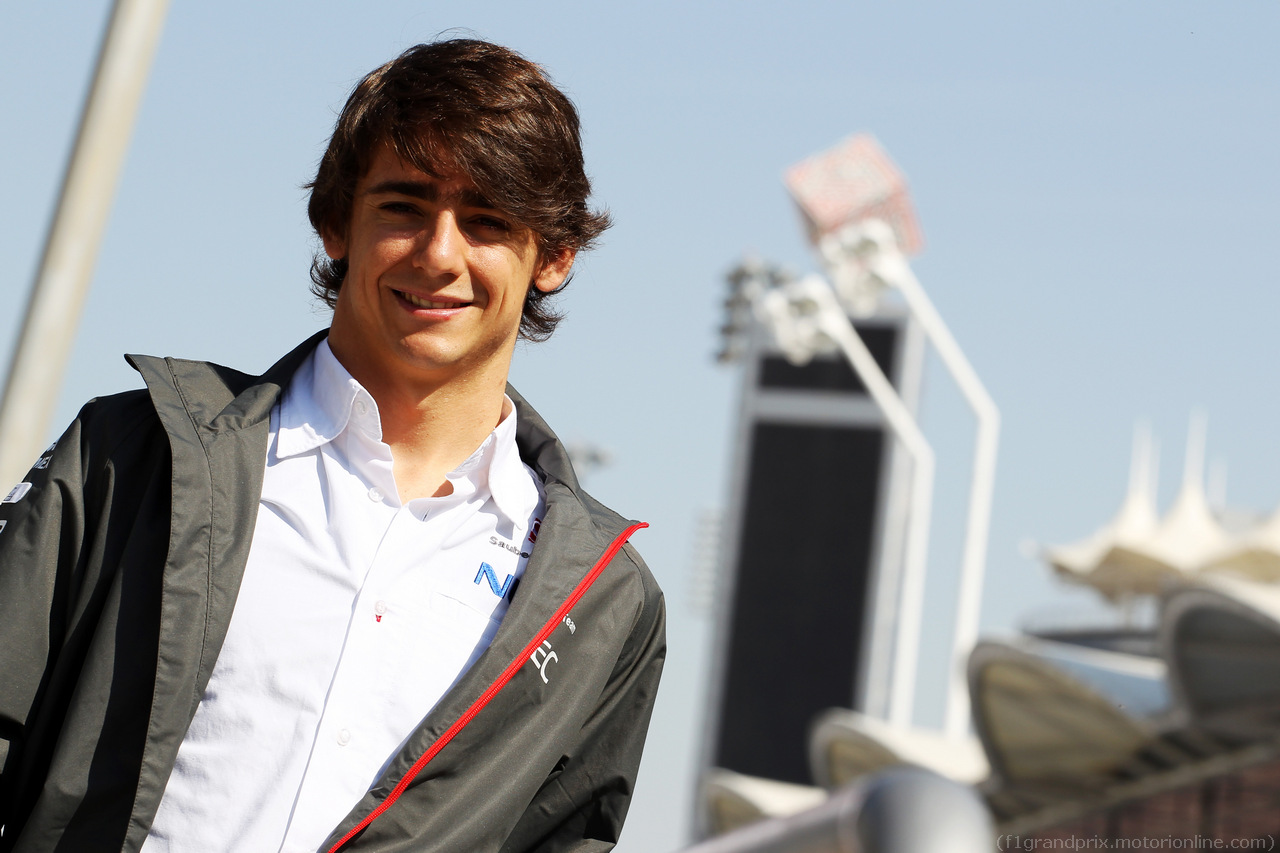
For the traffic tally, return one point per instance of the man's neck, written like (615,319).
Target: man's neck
(431,425)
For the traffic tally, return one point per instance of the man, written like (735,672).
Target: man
(359,602)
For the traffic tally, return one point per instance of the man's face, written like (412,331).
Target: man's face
(436,278)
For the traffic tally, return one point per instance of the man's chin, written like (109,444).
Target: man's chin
(441,358)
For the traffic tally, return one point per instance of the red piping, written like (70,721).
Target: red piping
(496,686)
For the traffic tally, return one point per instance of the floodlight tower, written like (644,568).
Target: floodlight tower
(817,517)
(803,316)
(823,555)
(860,220)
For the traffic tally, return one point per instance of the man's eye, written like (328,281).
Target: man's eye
(399,207)
(491,223)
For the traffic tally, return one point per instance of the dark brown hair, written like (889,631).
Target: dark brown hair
(477,108)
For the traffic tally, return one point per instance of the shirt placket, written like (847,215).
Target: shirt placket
(362,520)
(343,746)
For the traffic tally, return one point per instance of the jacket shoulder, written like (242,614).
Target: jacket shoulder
(613,525)
(101,427)
(650,615)
(104,425)
(118,413)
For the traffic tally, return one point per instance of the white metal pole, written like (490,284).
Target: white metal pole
(835,323)
(982,485)
(71,249)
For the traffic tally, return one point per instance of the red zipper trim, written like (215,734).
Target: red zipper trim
(494,688)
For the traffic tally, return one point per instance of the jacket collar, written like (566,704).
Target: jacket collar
(217,398)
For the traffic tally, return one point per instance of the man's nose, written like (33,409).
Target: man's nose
(442,246)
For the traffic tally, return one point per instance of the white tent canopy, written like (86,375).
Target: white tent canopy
(1112,559)
(1255,555)
(1136,554)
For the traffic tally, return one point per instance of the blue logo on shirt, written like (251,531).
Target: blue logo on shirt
(487,572)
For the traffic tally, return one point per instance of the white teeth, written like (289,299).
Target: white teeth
(427,303)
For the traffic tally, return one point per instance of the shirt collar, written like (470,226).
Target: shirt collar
(320,402)
(323,400)
(496,465)
(516,489)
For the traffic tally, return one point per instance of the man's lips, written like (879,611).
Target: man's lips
(423,302)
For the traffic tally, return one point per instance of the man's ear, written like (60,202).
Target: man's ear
(334,247)
(553,271)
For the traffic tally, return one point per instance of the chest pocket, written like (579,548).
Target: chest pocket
(469,616)
(446,635)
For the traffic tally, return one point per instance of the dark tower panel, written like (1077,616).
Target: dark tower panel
(797,615)
(812,541)
(831,374)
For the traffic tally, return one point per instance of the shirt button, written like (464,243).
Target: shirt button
(375,494)
(361,407)
(344,737)
(380,608)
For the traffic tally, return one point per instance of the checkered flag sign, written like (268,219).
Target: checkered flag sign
(853,181)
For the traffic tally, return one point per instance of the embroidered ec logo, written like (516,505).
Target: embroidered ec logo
(547,657)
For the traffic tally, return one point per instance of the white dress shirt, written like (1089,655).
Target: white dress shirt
(355,615)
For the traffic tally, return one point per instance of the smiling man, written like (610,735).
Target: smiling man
(432,295)
(359,602)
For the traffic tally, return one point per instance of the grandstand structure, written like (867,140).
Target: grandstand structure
(1165,730)
(1173,733)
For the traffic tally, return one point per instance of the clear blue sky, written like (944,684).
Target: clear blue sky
(1098,185)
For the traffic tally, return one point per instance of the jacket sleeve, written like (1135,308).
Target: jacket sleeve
(581,808)
(57,566)
(41,528)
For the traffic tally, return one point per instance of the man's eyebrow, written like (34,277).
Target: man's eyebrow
(428,191)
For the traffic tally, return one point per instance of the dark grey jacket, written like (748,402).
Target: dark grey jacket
(118,572)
